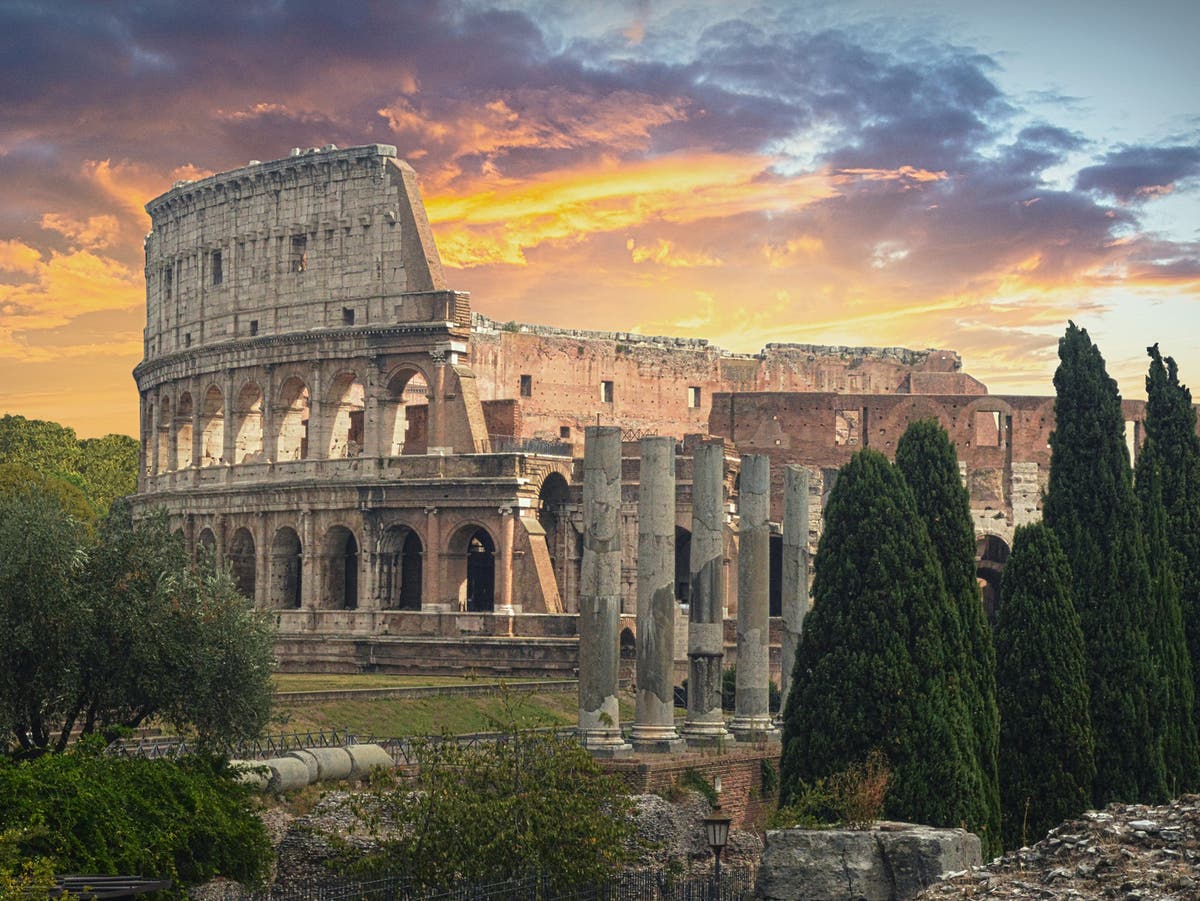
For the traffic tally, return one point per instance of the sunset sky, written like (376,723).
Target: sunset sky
(961,175)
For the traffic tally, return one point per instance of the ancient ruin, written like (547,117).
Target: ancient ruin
(402,481)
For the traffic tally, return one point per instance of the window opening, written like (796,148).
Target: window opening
(606,392)
(253,327)
(299,260)
(218,275)
(694,396)
(526,386)
(564,431)
(347,316)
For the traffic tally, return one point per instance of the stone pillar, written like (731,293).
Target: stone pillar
(600,594)
(310,594)
(368,562)
(435,425)
(197,438)
(752,715)
(262,563)
(794,591)
(431,575)
(705,723)
(270,435)
(654,725)
(504,569)
(229,432)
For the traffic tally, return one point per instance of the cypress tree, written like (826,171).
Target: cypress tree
(926,458)
(1046,750)
(1171,427)
(870,672)
(1173,700)
(1091,507)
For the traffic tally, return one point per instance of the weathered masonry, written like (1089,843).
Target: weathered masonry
(401,481)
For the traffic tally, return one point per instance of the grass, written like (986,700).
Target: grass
(399,717)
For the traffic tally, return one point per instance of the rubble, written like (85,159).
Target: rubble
(1130,852)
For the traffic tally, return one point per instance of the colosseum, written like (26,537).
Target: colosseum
(398,478)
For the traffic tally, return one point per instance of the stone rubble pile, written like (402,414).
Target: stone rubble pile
(1130,852)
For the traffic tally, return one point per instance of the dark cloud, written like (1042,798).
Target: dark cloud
(1134,173)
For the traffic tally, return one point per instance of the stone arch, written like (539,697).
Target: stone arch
(401,568)
(292,441)
(471,566)
(183,432)
(553,497)
(164,433)
(683,563)
(212,427)
(242,561)
(248,423)
(987,422)
(347,409)
(287,569)
(991,554)
(339,565)
(406,412)
(206,548)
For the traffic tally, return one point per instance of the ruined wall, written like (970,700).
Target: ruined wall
(564,379)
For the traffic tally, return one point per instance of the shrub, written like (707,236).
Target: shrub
(853,797)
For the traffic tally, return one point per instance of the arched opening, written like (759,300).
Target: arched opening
(775,577)
(241,561)
(471,568)
(183,432)
(212,427)
(347,403)
(552,511)
(683,563)
(400,569)
(164,434)
(406,417)
(206,549)
(991,554)
(286,570)
(248,417)
(340,559)
(292,443)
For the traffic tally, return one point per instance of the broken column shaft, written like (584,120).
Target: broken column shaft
(654,724)
(752,716)
(705,723)
(600,593)
(794,591)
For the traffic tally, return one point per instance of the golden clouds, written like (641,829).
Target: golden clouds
(94,231)
(665,253)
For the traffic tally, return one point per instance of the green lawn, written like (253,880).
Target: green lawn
(397,717)
(332,681)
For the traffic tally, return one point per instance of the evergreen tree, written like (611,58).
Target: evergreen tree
(1173,700)
(1171,426)
(929,464)
(1046,749)
(1092,509)
(870,672)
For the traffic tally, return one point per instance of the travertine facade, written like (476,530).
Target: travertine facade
(392,475)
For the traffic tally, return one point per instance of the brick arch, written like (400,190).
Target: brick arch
(405,418)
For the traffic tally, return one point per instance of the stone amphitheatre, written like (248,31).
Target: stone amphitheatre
(400,479)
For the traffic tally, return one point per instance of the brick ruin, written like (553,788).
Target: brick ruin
(399,479)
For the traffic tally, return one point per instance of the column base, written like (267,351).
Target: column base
(657,741)
(755,729)
(705,735)
(606,745)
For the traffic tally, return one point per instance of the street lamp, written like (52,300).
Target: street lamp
(716,828)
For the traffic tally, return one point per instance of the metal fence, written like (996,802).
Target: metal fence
(737,884)
(510,444)
(260,749)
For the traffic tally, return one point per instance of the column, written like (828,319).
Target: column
(431,575)
(654,724)
(262,563)
(600,594)
(705,723)
(794,591)
(309,557)
(270,437)
(230,422)
(435,426)
(752,715)
(197,405)
(368,563)
(504,572)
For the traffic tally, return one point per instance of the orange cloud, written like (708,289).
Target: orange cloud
(666,253)
(95,231)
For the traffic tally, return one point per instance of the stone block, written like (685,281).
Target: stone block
(286,774)
(890,862)
(364,758)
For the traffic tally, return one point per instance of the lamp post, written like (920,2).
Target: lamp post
(716,829)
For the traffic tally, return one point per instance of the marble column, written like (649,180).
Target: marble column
(705,724)
(600,594)
(794,591)
(654,724)
(504,561)
(752,715)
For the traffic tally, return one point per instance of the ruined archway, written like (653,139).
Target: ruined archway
(401,564)
(471,568)
(683,563)
(212,427)
(242,562)
(206,549)
(339,560)
(347,405)
(406,414)
(248,422)
(991,553)
(286,570)
(292,441)
(552,517)
(183,432)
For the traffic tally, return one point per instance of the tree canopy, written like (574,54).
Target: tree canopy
(1046,746)
(103,634)
(1091,507)
(870,671)
(926,458)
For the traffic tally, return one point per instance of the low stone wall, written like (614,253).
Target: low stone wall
(890,862)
